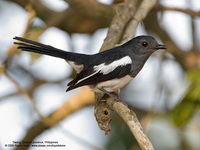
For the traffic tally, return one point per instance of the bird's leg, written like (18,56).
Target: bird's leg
(113,95)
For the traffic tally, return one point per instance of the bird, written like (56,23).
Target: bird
(106,71)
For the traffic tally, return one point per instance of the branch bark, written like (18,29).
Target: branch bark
(133,123)
(186,11)
(141,13)
(118,24)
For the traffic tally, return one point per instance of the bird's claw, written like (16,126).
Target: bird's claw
(114,96)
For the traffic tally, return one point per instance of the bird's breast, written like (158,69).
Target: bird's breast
(112,85)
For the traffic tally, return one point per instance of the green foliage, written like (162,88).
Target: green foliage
(190,102)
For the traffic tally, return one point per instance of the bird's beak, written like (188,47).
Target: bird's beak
(159,46)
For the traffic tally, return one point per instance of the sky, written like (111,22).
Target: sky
(50,97)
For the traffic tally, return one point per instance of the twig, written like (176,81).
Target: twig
(23,92)
(140,14)
(32,14)
(118,24)
(187,11)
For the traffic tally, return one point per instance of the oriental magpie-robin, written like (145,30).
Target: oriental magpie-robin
(107,71)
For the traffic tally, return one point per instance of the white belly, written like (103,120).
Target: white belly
(112,85)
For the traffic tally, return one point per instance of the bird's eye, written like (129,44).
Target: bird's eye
(144,44)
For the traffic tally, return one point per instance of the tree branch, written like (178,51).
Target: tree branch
(141,13)
(186,11)
(74,19)
(118,24)
(133,123)
(98,9)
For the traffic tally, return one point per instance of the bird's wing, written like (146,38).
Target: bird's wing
(119,66)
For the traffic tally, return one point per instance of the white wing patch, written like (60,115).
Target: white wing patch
(105,69)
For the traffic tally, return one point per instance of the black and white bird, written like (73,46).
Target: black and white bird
(107,71)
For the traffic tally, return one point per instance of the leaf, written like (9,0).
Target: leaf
(184,111)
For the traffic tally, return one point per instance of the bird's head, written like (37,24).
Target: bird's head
(145,45)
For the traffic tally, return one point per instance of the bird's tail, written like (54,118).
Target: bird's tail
(40,48)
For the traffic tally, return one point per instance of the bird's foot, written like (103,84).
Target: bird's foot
(114,96)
